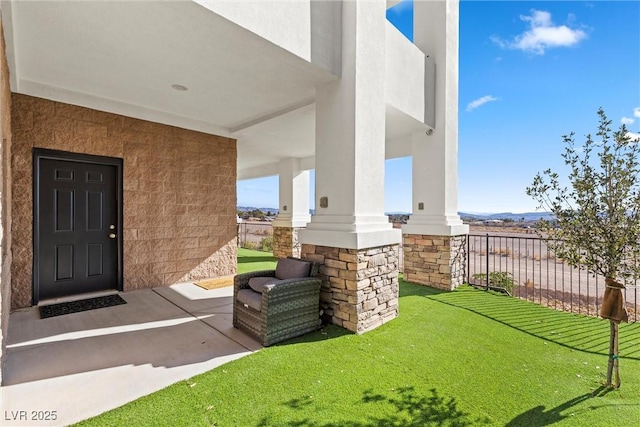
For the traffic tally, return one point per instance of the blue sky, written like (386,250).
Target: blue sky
(530,72)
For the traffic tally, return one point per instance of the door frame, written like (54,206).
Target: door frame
(43,153)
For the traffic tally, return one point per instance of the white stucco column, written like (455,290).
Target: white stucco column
(294,195)
(293,213)
(349,236)
(434,239)
(350,139)
(435,156)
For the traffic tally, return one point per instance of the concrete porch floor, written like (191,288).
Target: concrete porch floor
(80,365)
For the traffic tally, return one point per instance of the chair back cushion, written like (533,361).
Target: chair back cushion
(289,268)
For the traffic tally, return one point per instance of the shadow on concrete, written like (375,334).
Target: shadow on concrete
(156,328)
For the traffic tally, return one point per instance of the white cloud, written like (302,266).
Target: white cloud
(630,120)
(480,101)
(538,18)
(542,34)
(634,136)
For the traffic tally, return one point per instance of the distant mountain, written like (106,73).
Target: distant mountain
(528,216)
(525,216)
(251,208)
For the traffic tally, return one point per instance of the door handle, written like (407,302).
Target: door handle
(112,236)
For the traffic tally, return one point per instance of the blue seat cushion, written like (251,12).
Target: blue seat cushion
(250,298)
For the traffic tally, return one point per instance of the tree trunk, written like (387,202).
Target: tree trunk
(613,366)
(616,360)
(611,348)
(612,308)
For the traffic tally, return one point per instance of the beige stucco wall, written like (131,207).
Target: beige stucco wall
(5,198)
(179,191)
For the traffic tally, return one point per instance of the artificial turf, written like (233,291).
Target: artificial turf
(249,260)
(466,357)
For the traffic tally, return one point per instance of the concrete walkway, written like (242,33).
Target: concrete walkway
(68,368)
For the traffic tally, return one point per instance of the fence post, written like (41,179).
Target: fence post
(487,248)
(468,252)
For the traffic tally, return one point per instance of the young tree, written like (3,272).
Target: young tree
(597,216)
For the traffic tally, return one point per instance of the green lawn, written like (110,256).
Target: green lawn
(458,358)
(254,260)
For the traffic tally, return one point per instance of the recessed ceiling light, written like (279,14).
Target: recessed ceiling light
(180,87)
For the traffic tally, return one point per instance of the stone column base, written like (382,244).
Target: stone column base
(360,286)
(285,242)
(436,261)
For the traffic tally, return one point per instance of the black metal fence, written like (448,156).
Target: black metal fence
(255,235)
(526,268)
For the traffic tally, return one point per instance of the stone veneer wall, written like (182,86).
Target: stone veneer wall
(5,198)
(437,261)
(285,242)
(179,191)
(360,287)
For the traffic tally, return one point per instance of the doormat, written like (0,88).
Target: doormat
(218,282)
(81,305)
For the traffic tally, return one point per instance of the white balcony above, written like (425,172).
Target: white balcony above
(250,69)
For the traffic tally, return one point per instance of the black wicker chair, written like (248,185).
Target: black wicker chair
(285,309)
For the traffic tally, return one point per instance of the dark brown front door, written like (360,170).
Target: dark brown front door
(76,227)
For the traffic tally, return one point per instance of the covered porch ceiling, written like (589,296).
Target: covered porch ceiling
(128,57)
